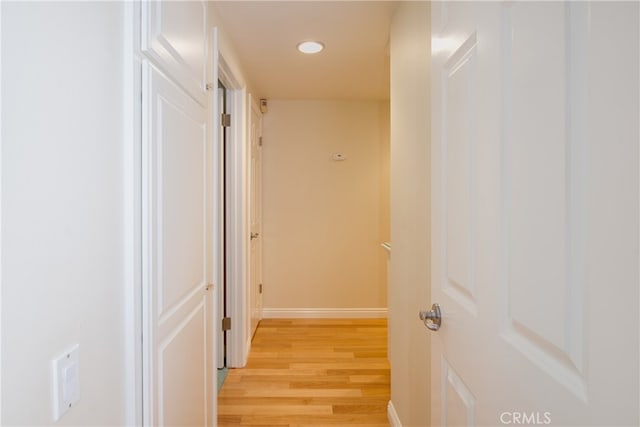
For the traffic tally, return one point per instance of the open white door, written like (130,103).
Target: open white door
(255,214)
(535,213)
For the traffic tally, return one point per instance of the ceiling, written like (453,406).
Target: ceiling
(353,65)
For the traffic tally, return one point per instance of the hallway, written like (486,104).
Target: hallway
(311,372)
(500,161)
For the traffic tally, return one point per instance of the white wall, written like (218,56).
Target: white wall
(409,275)
(62,205)
(324,220)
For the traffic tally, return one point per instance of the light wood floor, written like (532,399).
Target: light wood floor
(310,372)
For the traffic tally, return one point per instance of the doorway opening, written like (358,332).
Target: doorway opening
(224,151)
(231,218)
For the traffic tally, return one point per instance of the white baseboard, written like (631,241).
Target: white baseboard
(323,313)
(392,415)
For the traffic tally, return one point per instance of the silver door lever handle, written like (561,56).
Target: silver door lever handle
(432,319)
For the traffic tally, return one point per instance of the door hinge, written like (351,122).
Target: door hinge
(260,288)
(226,323)
(260,141)
(225,120)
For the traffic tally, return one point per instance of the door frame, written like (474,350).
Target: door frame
(237,227)
(132,213)
(254,266)
(0,212)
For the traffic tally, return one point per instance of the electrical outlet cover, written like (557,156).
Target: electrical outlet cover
(66,382)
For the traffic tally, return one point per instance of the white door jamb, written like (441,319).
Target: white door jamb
(132,222)
(238,219)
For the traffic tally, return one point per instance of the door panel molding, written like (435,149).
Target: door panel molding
(174,36)
(180,275)
(458,403)
(458,150)
(171,358)
(554,342)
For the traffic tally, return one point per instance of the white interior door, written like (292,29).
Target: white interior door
(177,344)
(255,208)
(535,213)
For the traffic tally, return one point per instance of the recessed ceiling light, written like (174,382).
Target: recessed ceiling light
(310,47)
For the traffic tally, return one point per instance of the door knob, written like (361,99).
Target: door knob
(432,319)
(254,235)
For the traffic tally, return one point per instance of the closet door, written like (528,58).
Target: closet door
(178,372)
(178,350)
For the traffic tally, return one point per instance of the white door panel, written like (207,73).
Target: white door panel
(176,305)
(528,115)
(174,35)
(460,110)
(543,216)
(181,382)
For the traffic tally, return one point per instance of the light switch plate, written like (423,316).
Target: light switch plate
(66,382)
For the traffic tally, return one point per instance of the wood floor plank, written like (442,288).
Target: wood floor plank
(375,364)
(275,410)
(312,420)
(338,393)
(257,401)
(311,373)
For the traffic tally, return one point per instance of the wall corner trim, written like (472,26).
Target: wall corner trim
(392,415)
(323,313)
